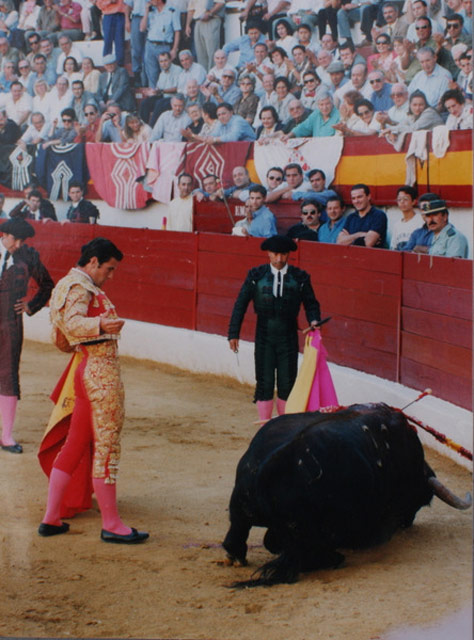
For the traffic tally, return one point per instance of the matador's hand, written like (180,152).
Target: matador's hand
(234,345)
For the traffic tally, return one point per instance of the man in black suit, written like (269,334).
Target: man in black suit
(80,210)
(34,208)
(114,85)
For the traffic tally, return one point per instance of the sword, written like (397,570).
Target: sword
(317,325)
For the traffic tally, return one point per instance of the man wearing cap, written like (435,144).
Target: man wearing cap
(17,264)
(447,240)
(337,75)
(277,290)
(114,85)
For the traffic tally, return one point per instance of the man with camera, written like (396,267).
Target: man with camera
(111,123)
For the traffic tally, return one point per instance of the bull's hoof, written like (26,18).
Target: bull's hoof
(232,561)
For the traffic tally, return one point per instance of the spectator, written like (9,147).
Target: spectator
(358,82)
(157,100)
(211,189)
(263,223)
(419,9)
(466,13)
(209,115)
(321,122)
(8,18)
(395,26)
(350,123)
(447,240)
(268,96)
(50,53)
(88,132)
(9,53)
(7,76)
(64,134)
(195,115)
(69,16)
(454,31)
(162,26)
(169,125)
(241,186)
(410,220)
(349,57)
(246,105)
(71,70)
(60,97)
(26,76)
(36,132)
(68,50)
(42,100)
(81,210)
(286,39)
(48,20)
(90,75)
(274,177)
(135,130)
(465,75)
(317,191)
(113,28)
(245,44)
(460,113)
(366,226)
(350,13)
(329,231)
(191,70)
(193,94)
(384,56)
(405,64)
(110,124)
(271,127)
(365,110)
(231,128)
(337,78)
(27,23)
(299,65)
(398,114)
(33,46)
(279,63)
(242,226)
(282,99)
(308,228)
(420,240)
(324,59)
(42,72)
(305,36)
(298,115)
(80,100)
(328,16)
(18,104)
(220,63)
(432,80)
(207,18)
(226,91)
(114,85)
(34,208)
(180,210)
(294,182)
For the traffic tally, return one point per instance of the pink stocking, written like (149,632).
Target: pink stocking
(7,412)
(265,409)
(281,405)
(106,495)
(58,483)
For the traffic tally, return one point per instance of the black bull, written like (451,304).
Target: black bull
(323,481)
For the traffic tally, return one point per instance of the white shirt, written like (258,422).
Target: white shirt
(282,273)
(16,110)
(74,53)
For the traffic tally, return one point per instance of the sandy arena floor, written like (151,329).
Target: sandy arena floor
(183,437)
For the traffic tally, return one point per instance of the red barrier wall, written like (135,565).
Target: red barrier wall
(403,317)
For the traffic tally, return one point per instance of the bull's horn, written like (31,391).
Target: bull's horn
(444,494)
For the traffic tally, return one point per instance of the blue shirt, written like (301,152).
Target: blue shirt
(316,127)
(263,224)
(374,220)
(326,234)
(421,237)
(245,47)
(163,24)
(381,99)
(137,6)
(230,95)
(236,129)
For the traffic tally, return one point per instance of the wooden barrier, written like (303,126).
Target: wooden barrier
(403,317)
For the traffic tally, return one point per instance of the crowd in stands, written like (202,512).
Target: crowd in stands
(298,70)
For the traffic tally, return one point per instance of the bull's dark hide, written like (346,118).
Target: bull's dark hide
(324,481)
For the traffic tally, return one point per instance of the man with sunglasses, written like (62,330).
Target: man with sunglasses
(308,228)
(275,177)
(64,134)
(87,131)
(454,33)
(81,99)
(381,96)
(425,38)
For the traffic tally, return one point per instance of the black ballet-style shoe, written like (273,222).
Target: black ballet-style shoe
(47,530)
(12,448)
(134,537)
